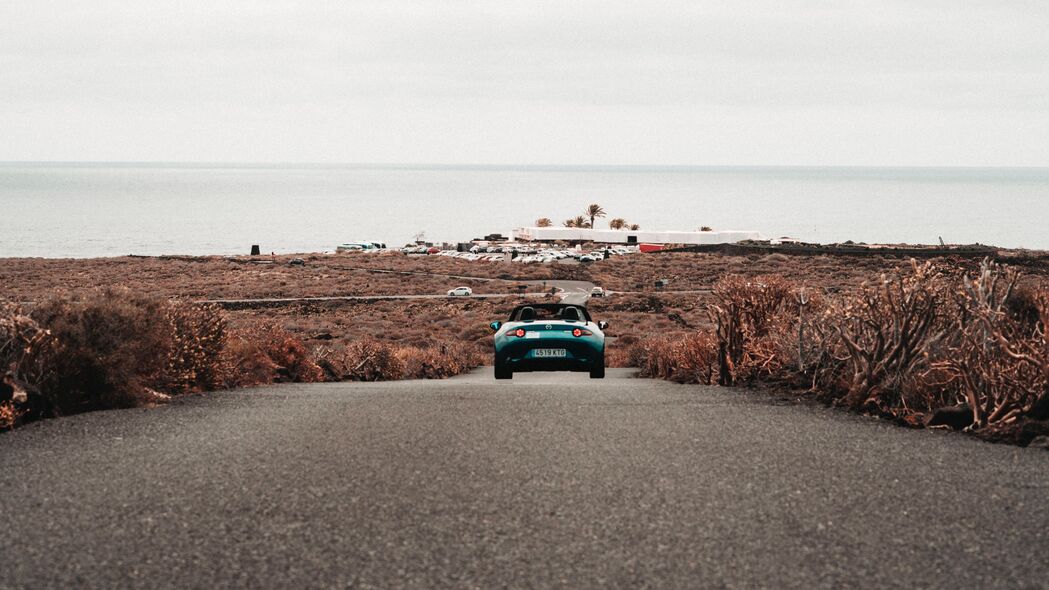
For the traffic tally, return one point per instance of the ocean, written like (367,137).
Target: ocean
(78,210)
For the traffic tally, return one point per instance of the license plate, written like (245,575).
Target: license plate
(549,352)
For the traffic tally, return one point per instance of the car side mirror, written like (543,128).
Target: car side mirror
(602,324)
(495,326)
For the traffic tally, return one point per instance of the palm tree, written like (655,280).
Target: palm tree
(593,211)
(543,222)
(617,223)
(581,221)
(569,223)
(635,227)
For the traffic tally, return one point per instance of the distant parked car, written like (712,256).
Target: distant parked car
(597,292)
(433,250)
(461,292)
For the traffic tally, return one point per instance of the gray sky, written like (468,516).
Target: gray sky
(855,82)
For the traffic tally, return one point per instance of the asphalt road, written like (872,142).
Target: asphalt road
(547,480)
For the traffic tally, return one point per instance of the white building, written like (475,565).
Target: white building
(622,236)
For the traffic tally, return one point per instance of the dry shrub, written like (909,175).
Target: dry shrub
(8,415)
(689,359)
(105,349)
(370,360)
(24,345)
(267,353)
(246,363)
(476,332)
(653,357)
(745,312)
(377,360)
(887,329)
(696,356)
(439,362)
(818,354)
(617,357)
(110,348)
(913,342)
(198,338)
(620,355)
(997,354)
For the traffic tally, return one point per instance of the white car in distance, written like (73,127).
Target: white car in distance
(461,292)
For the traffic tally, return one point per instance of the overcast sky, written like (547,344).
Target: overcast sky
(842,82)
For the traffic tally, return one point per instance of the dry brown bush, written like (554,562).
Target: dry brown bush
(690,359)
(817,352)
(198,338)
(622,351)
(696,358)
(368,360)
(914,342)
(745,312)
(997,353)
(440,362)
(267,353)
(106,348)
(653,357)
(8,415)
(887,329)
(246,363)
(376,360)
(110,349)
(24,345)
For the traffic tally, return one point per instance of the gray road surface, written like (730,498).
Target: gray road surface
(551,480)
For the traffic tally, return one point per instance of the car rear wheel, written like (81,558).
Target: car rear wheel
(503,372)
(597,370)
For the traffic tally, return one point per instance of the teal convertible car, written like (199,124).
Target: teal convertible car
(549,337)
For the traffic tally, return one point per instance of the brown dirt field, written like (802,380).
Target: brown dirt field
(632,316)
(422,322)
(31,279)
(687,271)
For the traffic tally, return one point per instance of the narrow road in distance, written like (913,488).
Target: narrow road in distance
(548,480)
(576,291)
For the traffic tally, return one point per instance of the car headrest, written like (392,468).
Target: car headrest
(527,313)
(571,314)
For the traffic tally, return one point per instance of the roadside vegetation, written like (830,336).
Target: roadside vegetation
(950,343)
(924,345)
(113,348)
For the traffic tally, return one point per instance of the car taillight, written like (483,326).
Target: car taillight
(519,333)
(578,332)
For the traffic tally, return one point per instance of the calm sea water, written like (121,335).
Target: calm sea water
(83,210)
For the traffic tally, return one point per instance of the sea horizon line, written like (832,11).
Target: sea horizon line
(507,166)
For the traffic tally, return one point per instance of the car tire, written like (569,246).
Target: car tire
(503,372)
(597,370)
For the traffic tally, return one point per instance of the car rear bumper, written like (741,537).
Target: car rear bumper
(529,365)
(580,355)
